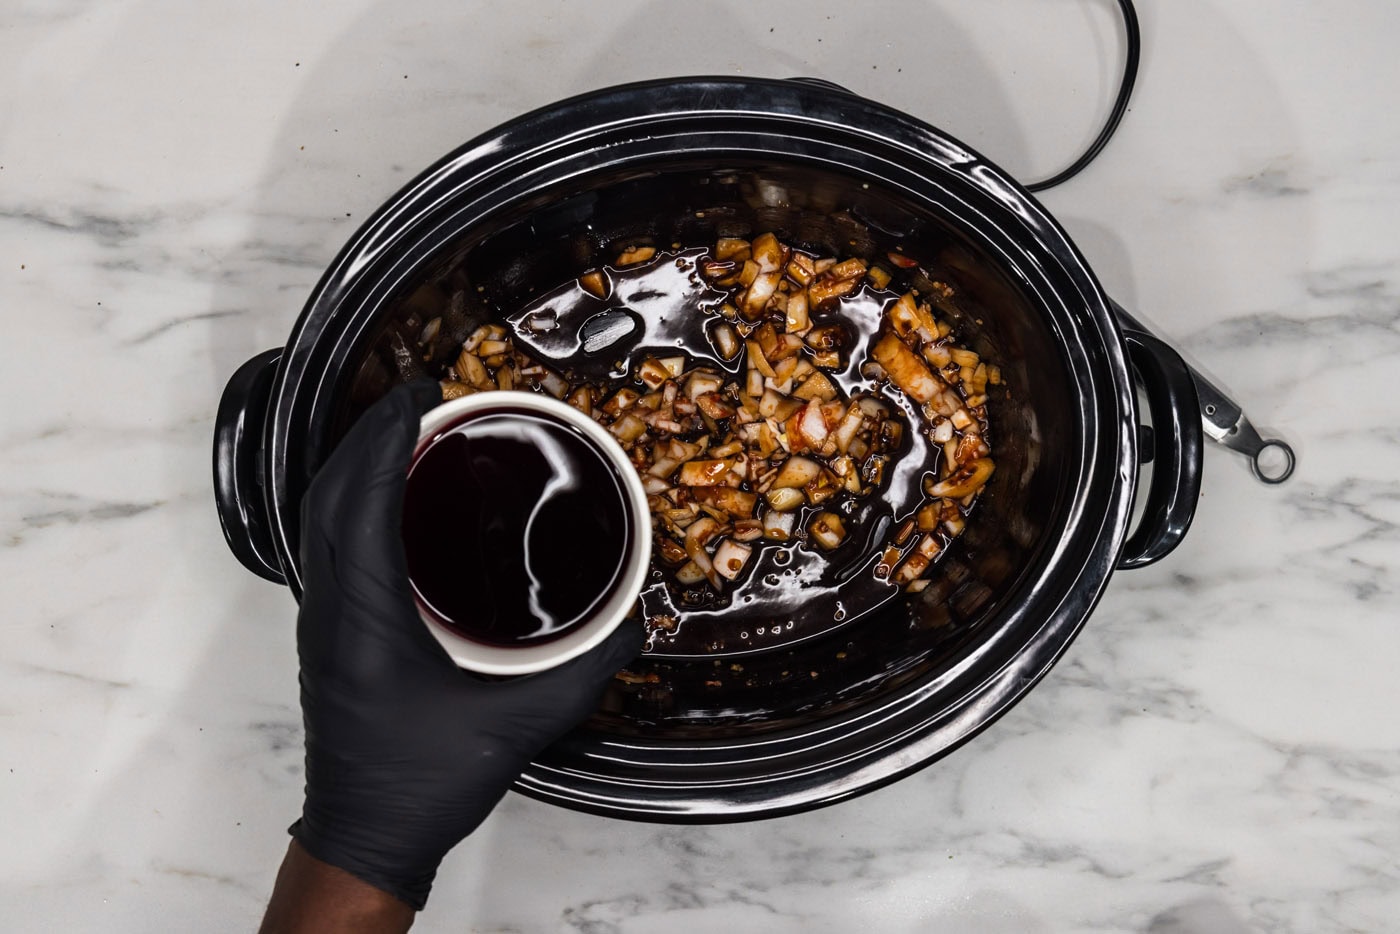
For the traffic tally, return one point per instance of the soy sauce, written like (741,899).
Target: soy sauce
(515,527)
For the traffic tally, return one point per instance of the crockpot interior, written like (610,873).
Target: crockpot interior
(536,244)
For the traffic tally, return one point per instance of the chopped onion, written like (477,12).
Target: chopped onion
(964,481)
(797,472)
(636,254)
(785,499)
(689,574)
(704,473)
(726,341)
(730,558)
(906,370)
(778,525)
(827,530)
(594,283)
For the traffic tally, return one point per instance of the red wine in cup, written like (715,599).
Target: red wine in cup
(515,526)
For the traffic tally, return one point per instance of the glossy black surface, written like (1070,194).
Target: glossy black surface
(240,427)
(1176,464)
(530,204)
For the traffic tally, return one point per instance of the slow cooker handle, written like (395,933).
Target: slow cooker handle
(238,470)
(1176,462)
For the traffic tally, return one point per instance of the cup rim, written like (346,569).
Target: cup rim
(523,660)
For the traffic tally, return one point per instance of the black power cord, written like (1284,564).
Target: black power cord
(1120,105)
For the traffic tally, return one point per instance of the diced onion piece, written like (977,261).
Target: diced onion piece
(671,551)
(628,428)
(850,424)
(786,407)
(664,467)
(873,470)
(812,425)
(966,480)
(636,254)
(747,530)
(505,378)
(490,348)
(654,485)
(827,530)
(828,359)
(689,573)
(454,389)
(554,384)
(582,399)
(928,517)
(652,373)
(785,499)
(778,525)
(788,345)
(477,336)
(430,331)
(993,375)
(754,385)
(905,530)
(728,449)
(801,269)
(760,291)
(961,419)
(768,405)
(731,248)
(472,371)
(891,433)
(696,537)
(942,431)
(938,354)
(888,559)
(797,320)
(879,277)
(797,472)
(704,473)
(916,586)
(912,569)
(826,337)
(906,370)
(964,357)
(726,341)
(872,407)
(594,283)
(903,315)
(757,361)
(621,400)
(770,254)
(737,503)
(730,558)
(824,486)
(714,405)
(817,386)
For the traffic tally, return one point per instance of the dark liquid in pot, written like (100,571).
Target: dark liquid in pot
(515,526)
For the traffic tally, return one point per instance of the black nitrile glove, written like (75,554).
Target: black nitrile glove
(405,753)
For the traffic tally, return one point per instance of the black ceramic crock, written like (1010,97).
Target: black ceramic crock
(534,202)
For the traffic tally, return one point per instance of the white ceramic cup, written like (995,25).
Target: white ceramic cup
(522,660)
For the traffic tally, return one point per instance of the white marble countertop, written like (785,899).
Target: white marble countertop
(1219,751)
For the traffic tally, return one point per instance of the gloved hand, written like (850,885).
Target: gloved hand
(405,752)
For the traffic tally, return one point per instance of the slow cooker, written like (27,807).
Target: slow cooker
(533,202)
